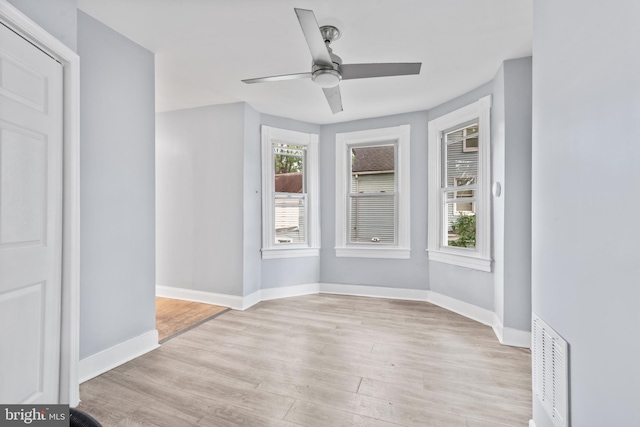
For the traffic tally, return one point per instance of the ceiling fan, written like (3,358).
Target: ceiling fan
(327,69)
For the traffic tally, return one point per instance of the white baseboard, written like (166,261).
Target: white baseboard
(232,301)
(473,312)
(250,300)
(510,336)
(374,291)
(532,423)
(110,358)
(289,291)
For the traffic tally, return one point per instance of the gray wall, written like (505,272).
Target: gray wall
(200,163)
(58,17)
(585,253)
(252,203)
(511,167)
(117,188)
(208,171)
(410,273)
(471,286)
(517,194)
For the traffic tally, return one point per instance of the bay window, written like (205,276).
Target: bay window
(372,193)
(459,196)
(290,208)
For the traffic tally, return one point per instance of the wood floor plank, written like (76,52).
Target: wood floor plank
(173,316)
(314,415)
(322,360)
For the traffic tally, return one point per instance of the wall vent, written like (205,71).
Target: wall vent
(550,371)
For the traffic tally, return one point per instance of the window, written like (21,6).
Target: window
(289,194)
(459,197)
(372,193)
(470,138)
(466,207)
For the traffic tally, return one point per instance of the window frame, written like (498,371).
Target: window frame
(400,136)
(478,258)
(270,249)
(457,192)
(465,147)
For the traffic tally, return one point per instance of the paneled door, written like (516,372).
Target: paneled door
(30,221)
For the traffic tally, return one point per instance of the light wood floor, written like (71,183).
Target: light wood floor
(322,360)
(174,316)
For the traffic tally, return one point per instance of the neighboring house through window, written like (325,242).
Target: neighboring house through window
(290,193)
(372,193)
(459,197)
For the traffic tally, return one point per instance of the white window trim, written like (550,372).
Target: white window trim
(402,249)
(480,257)
(312,248)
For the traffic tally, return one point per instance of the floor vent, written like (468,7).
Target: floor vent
(550,371)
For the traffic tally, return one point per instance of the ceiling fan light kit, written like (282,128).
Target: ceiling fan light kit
(326,78)
(327,70)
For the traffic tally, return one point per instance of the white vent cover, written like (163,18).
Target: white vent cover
(550,371)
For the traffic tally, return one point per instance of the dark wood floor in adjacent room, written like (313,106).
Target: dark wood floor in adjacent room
(322,360)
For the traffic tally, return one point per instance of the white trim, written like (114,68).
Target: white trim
(510,336)
(375,291)
(70,328)
(232,301)
(461,260)
(101,362)
(479,111)
(373,252)
(473,312)
(289,291)
(401,134)
(532,423)
(274,253)
(251,299)
(516,338)
(310,140)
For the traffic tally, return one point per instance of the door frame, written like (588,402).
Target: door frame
(69,392)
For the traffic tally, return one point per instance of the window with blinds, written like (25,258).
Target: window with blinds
(373,203)
(460,174)
(372,195)
(459,231)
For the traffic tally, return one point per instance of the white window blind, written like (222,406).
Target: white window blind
(373,196)
(373,193)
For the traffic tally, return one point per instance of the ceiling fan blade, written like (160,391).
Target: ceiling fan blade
(311,31)
(334,98)
(278,78)
(364,71)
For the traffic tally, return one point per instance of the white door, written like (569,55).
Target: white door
(30,221)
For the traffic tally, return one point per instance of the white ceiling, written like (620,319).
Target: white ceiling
(204,48)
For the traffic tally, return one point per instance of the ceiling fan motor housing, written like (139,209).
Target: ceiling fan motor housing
(325,76)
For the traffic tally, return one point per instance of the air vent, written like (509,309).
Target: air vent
(550,371)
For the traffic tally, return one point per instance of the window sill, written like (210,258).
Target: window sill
(375,252)
(275,253)
(462,260)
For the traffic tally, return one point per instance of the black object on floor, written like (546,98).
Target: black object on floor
(78,418)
